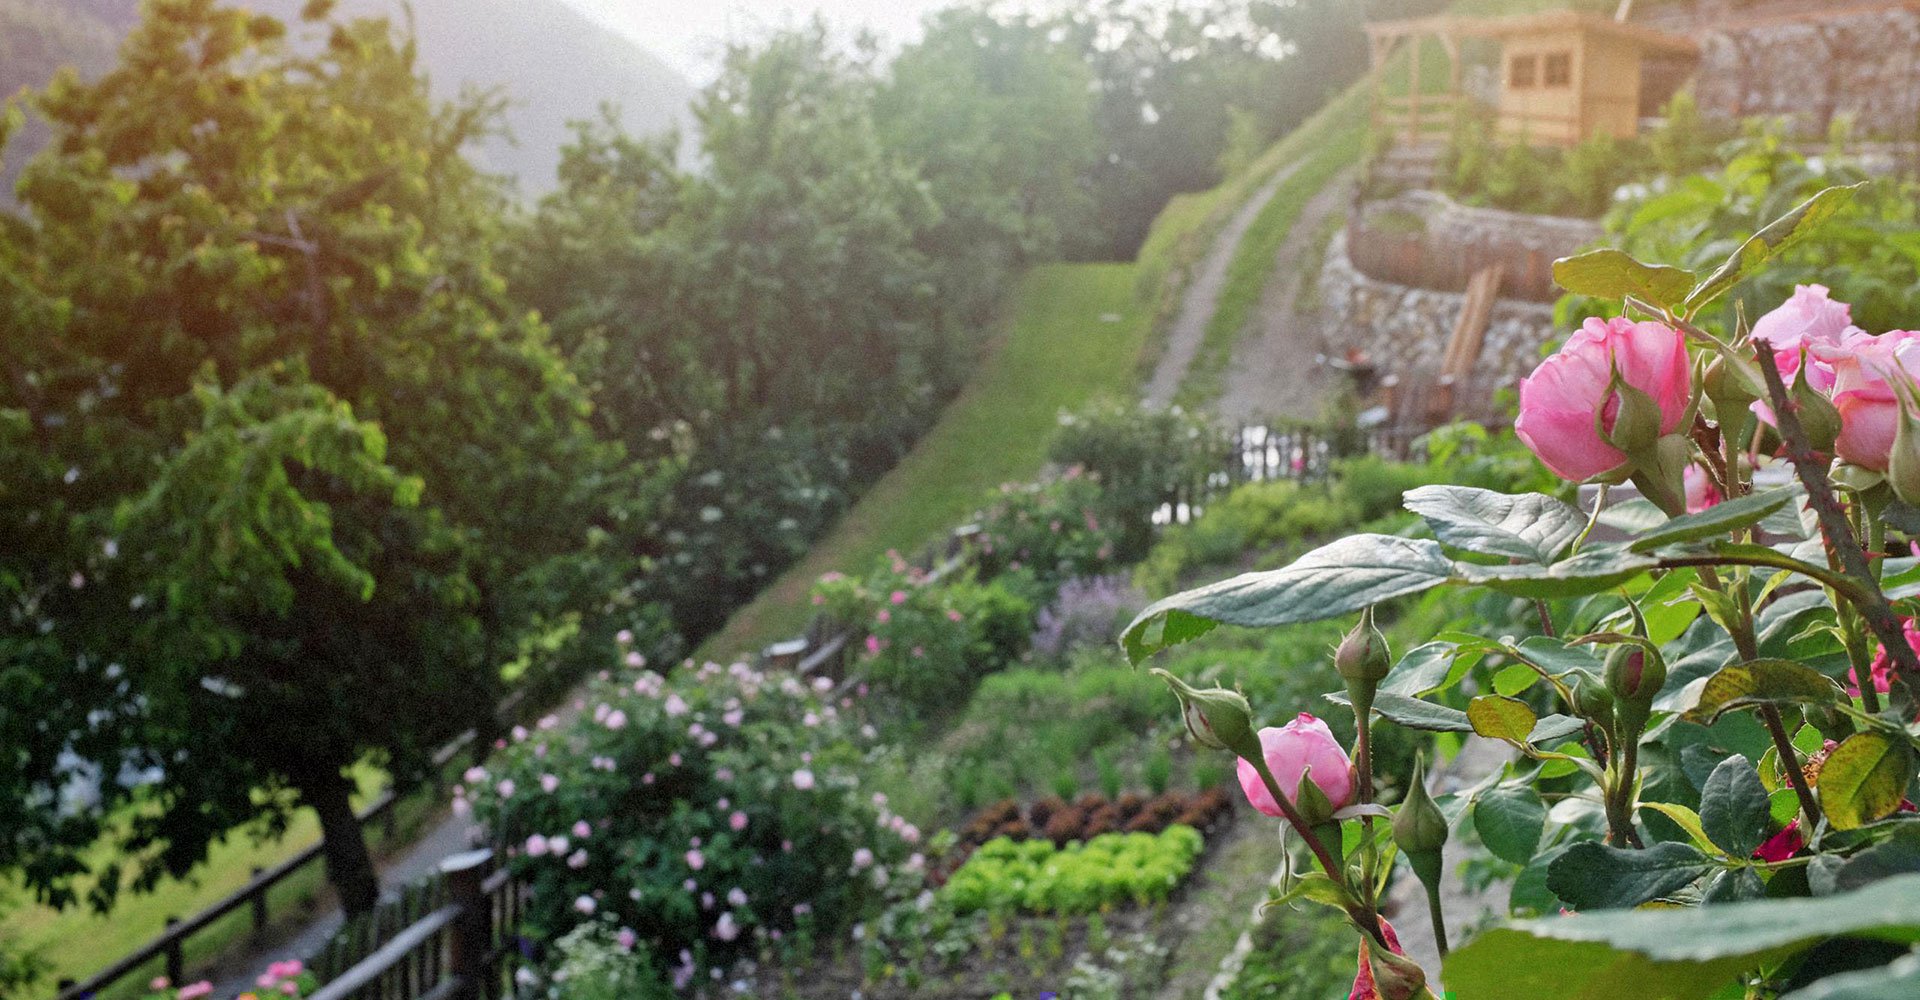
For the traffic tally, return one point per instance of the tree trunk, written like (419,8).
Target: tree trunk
(349,866)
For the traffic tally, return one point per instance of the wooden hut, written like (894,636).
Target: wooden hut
(1564,76)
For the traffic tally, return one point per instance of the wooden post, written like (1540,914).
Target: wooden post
(1413,90)
(470,949)
(176,962)
(259,902)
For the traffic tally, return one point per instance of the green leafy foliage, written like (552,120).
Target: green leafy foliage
(1111,870)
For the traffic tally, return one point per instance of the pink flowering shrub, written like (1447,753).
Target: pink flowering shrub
(710,815)
(1055,530)
(928,644)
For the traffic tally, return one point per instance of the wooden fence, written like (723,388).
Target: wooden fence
(169,947)
(451,938)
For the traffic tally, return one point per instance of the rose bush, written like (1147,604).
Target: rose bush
(711,815)
(1687,717)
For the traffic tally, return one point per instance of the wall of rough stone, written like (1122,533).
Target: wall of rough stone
(1761,58)
(1426,240)
(1404,330)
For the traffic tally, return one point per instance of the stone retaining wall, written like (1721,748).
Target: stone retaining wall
(1769,58)
(1404,330)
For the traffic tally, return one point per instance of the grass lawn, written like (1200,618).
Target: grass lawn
(77,943)
(1060,350)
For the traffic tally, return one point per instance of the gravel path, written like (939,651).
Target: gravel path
(1202,294)
(1275,373)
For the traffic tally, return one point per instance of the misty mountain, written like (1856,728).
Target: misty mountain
(551,62)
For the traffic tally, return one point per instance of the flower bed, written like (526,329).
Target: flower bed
(1092,815)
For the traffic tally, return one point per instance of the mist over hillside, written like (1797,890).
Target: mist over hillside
(554,65)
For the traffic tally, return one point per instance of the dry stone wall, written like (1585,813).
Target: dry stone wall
(1769,58)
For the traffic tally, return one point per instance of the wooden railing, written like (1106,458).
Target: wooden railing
(466,946)
(170,945)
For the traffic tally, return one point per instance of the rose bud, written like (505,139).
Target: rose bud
(1291,752)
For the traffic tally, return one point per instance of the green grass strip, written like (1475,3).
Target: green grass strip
(1075,332)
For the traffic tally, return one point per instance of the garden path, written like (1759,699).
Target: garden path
(1274,373)
(1202,294)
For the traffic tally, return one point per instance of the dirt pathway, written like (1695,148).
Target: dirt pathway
(1274,373)
(1202,294)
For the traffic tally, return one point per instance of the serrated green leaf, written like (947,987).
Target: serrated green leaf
(1864,779)
(1761,682)
(1514,678)
(1532,527)
(1720,519)
(1505,963)
(1510,820)
(1733,807)
(1615,274)
(1422,669)
(1412,712)
(1500,718)
(1594,876)
(1592,571)
(1687,820)
(1776,238)
(1341,578)
(1897,980)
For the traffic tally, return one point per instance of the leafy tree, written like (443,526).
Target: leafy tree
(288,475)
(998,117)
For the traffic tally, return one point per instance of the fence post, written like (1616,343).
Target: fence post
(470,958)
(259,901)
(176,962)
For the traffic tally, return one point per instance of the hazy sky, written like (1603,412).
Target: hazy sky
(688,33)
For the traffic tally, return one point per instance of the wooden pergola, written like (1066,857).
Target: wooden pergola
(1565,75)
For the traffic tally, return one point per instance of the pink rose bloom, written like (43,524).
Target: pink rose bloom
(1701,493)
(626,939)
(504,788)
(873,645)
(883,616)
(290,988)
(898,597)
(558,844)
(1304,743)
(548,783)
(159,983)
(1364,988)
(287,969)
(1559,400)
(536,846)
(586,905)
(676,705)
(577,859)
(737,821)
(1882,669)
(635,660)
(616,719)
(1810,317)
(1868,407)
(696,860)
(1782,845)
(803,779)
(737,896)
(862,858)
(195,991)
(582,829)
(725,928)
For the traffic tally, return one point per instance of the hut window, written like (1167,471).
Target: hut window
(1558,70)
(1523,72)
